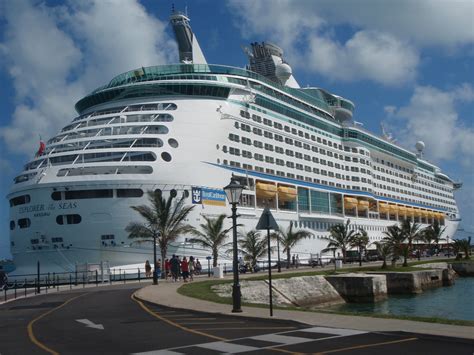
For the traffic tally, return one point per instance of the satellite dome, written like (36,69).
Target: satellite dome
(420,145)
(283,72)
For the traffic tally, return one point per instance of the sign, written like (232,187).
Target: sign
(267,221)
(206,196)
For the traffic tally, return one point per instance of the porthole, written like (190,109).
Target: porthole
(158,192)
(166,156)
(173,193)
(12,225)
(186,193)
(56,196)
(173,143)
(217,146)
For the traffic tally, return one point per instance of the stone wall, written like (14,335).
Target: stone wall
(360,287)
(464,268)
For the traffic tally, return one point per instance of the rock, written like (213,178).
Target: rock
(464,268)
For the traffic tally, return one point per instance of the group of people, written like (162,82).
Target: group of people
(176,268)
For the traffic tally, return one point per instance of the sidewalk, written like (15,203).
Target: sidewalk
(166,294)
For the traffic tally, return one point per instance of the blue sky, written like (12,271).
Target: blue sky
(408,64)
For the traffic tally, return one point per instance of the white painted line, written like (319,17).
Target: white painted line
(333,331)
(158,352)
(227,348)
(90,324)
(282,339)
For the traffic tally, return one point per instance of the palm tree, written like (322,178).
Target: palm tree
(395,239)
(462,245)
(212,235)
(360,241)
(411,232)
(340,237)
(252,246)
(289,238)
(164,222)
(384,250)
(434,233)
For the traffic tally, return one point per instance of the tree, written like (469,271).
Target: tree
(433,233)
(395,239)
(164,222)
(384,250)
(462,245)
(411,232)
(252,246)
(340,237)
(289,238)
(360,240)
(212,235)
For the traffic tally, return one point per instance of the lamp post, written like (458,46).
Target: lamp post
(233,192)
(155,276)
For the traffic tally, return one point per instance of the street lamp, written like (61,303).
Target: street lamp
(155,276)
(233,192)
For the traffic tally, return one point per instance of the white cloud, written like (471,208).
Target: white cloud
(309,40)
(55,55)
(431,116)
(367,55)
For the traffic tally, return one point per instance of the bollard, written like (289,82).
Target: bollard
(70,281)
(138,274)
(96,278)
(54,279)
(113,274)
(75,272)
(124,277)
(5,289)
(15,288)
(225,267)
(47,281)
(83,280)
(57,283)
(46,285)
(36,284)
(25,287)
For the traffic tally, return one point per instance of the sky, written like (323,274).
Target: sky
(407,64)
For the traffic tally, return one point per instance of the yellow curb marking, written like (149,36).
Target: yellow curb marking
(31,334)
(365,346)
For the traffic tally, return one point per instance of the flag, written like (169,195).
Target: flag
(42,147)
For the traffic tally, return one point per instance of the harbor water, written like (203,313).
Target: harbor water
(454,302)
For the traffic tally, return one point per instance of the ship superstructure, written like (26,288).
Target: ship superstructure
(185,129)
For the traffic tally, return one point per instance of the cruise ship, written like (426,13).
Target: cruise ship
(186,129)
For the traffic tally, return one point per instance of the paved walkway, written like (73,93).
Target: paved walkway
(166,294)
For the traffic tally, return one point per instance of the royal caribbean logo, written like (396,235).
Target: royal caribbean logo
(206,196)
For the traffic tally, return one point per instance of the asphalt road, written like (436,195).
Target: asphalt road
(109,321)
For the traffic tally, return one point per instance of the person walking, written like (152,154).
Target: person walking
(167,269)
(174,267)
(147,269)
(185,269)
(191,268)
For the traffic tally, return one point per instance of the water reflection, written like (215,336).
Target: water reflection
(455,302)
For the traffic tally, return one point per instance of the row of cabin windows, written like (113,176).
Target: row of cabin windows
(161,106)
(236,138)
(105,193)
(99,193)
(22,223)
(295,131)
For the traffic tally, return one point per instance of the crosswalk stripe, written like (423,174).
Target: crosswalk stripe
(227,348)
(282,339)
(333,331)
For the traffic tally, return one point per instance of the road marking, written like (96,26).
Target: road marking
(365,346)
(334,331)
(196,319)
(158,352)
(228,348)
(31,334)
(248,328)
(156,315)
(210,323)
(282,339)
(90,324)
